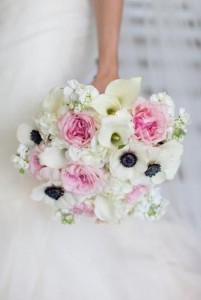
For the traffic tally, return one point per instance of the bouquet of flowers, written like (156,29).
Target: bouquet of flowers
(102,155)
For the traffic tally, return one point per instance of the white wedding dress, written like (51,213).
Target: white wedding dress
(44,43)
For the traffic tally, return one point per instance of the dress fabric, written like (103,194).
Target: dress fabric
(44,43)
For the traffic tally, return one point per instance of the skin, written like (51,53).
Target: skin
(108,15)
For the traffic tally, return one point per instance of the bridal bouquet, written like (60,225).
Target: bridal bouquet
(102,155)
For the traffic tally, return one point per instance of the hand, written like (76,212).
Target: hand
(101,80)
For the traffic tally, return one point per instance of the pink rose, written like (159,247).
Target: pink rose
(81,179)
(137,192)
(77,128)
(34,164)
(150,121)
(80,208)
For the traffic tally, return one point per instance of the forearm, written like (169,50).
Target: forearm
(108,19)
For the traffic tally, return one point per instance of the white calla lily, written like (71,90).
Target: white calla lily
(53,157)
(115,130)
(126,90)
(105,104)
(53,100)
(109,209)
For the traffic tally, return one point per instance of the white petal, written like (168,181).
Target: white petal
(107,209)
(126,90)
(119,124)
(38,192)
(49,174)
(104,104)
(24,134)
(53,157)
(53,100)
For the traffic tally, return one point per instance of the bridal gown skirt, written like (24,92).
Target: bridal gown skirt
(44,43)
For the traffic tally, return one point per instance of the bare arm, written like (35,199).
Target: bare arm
(108,19)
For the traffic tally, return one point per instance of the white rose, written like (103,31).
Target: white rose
(53,100)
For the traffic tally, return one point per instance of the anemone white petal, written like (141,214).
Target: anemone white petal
(126,90)
(38,192)
(24,134)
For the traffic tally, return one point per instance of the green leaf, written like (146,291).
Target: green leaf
(121,146)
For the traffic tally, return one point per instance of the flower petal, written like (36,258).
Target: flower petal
(52,157)
(105,104)
(53,100)
(24,134)
(126,90)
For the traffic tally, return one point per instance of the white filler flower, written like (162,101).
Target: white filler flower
(151,206)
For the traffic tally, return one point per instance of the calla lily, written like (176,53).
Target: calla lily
(115,130)
(106,104)
(52,157)
(53,100)
(125,90)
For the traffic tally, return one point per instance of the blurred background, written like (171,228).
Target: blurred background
(161,41)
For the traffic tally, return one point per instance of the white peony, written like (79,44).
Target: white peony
(115,130)
(125,90)
(52,157)
(108,208)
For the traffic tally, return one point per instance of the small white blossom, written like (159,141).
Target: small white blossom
(151,206)
(20,159)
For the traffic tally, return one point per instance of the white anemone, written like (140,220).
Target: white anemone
(53,193)
(52,157)
(108,208)
(26,135)
(125,90)
(162,162)
(115,130)
(53,100)
(128,163)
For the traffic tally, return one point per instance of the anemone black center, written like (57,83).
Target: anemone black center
(152,170)
(54,192)
(128,159)
(35,136)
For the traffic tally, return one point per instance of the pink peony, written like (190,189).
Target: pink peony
(77,128)
(80,179)
(137,192)
(34,164)
(150,121)
(80,208)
